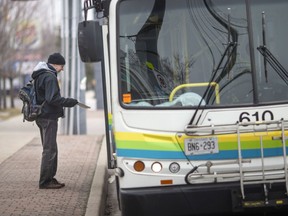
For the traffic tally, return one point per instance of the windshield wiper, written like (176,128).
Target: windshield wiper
(228,51)
(264,44)
(270,58)
(275,64)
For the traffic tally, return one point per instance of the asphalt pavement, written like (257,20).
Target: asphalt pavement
(82,166)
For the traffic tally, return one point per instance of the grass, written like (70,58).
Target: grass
(9,113)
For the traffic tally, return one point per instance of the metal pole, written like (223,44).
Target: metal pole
(75,118)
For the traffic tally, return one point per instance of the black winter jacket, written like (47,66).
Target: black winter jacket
(47,89)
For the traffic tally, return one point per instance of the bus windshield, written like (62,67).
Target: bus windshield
(202,52)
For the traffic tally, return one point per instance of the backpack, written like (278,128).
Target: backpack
(30,109)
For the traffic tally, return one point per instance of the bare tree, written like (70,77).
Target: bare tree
(14,21)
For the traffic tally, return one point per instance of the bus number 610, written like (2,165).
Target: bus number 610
(267,115)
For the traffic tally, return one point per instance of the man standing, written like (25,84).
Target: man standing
(48,90)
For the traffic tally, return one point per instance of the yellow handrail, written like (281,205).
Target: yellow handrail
(188,85)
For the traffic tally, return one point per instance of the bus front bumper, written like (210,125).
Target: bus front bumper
(201,199)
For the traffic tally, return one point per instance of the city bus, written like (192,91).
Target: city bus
(196,103)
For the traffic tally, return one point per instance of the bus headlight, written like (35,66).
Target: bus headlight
(174,167)
(156,167)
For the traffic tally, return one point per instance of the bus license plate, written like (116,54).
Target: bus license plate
(196,146)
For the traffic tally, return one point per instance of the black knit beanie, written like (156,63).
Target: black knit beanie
(57,59)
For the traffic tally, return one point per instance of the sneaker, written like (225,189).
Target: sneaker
(52,185)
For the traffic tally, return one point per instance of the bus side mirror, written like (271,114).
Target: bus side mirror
(90,41)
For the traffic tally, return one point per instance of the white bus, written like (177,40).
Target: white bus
(196,102)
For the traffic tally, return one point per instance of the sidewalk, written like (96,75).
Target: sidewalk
(78,166)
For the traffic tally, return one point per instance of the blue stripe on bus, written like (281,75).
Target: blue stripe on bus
(224,154)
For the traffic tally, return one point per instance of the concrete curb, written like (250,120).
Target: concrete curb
(98,192)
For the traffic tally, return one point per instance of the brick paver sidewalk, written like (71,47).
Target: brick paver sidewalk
(19,175)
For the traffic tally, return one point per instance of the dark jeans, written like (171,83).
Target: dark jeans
(48,131)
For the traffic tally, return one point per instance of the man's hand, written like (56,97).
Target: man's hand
(70,102)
